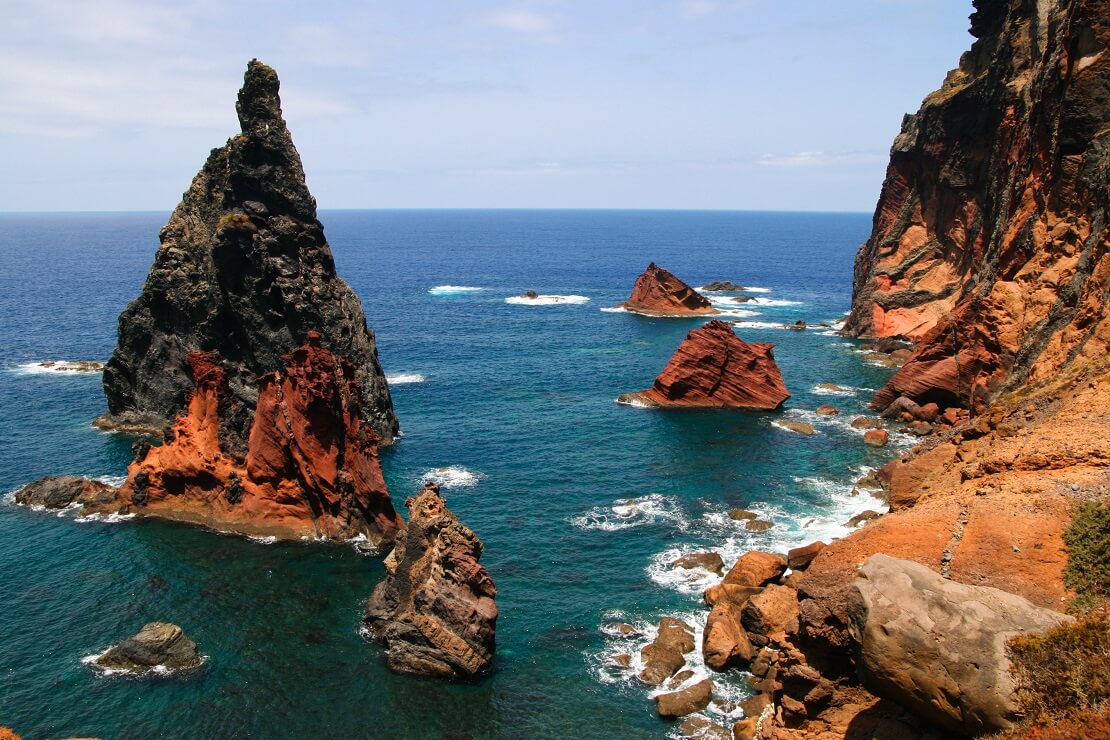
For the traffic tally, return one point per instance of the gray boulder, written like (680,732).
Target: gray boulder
(938,647)
(156,644)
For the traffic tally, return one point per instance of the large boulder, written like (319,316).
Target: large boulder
(714,368)
(938,647)
(724,641)
(686,701)
(435,610)
(664,655)
(156,645)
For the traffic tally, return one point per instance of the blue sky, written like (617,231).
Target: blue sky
(734,104)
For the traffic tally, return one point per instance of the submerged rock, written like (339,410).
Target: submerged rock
(158,644)
(435,611)
(710,561)
(244,271)
(723,286)
(798,427)
(938,647)
(659,293)
(714,368)
(310,470)
(60,491)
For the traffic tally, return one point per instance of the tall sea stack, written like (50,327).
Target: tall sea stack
(243,271)
(989,246)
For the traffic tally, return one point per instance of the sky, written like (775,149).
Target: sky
(689,104)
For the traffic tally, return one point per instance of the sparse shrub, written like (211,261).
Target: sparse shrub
(1063,672)
(234,220)
(1087,540)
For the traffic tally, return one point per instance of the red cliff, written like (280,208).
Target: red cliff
(989,246)
(659,293)
(714,368)
(311,466)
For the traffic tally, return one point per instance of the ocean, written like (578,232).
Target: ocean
(581,502)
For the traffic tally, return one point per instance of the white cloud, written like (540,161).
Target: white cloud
(816,159)
(524,21)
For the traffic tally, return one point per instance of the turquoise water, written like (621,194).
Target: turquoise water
(519,399)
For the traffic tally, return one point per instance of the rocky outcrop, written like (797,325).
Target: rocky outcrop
(435,611)
(60,491)
(243,271)
(310,470)
(664,656)
(659,293)
(714,368)
(989,246)
(157,645)
(939,647)
(685,701)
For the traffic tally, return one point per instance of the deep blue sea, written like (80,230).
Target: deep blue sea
(582,503)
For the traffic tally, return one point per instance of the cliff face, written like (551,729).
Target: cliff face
(435,610)
(311,467)
(989,246)
(243,270)
(659,293)
(714,368)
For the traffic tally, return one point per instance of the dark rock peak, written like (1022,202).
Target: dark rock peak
(244,270)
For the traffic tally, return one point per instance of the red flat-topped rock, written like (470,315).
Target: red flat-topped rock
(714,368)
(659,293)
(311,466)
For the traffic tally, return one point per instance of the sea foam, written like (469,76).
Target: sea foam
(453,476)
(625,513)
(404,378)
(454,289)
(60,367)
(547,300)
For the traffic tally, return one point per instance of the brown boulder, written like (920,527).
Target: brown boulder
(714,368)
(827,410)
(758,525)
(876,437)
(664,656)
(862,518)
(772,613)
(659,293)
(756,568)
(798,427)
(435,611)
(60,491)
(686,701)
(724,641)
(740,515)
(866,422)
(938,647)
(799,557)
(731,592)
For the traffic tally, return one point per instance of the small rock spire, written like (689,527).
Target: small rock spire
(259,103)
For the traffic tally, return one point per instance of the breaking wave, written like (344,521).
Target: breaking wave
(59,367)
(453,476)
(625,513)
(454,289)
(547,300)
(404,378)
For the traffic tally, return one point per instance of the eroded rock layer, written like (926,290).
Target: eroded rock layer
(243,270)
(989,246)
(310,470)
(659,293)
(714,368)
(435,611)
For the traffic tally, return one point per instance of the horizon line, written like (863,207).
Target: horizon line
(463,208)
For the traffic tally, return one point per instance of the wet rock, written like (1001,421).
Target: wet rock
(724,641)
(866,422)
(797,325)
(156,644)
(710,561)
(921,428)
(798,427)
(827,410)
(60,491)
(435,611)
(758,525)
(862,518)
(938,647)
(830,387)
(699,727)
(871,482)
(680,678)
(714,368)
(624,660)
(741,515)
(686,701)
(722,286)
